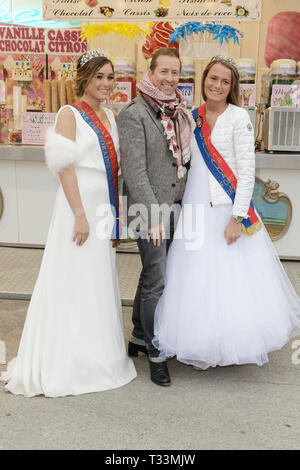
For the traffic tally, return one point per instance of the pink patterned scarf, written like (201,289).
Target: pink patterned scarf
(175,118)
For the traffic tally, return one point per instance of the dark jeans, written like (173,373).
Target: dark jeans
(149,290)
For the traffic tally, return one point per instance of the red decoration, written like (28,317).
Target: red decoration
(283,37)
(159,37)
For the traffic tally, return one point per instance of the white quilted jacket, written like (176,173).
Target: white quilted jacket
(233,137)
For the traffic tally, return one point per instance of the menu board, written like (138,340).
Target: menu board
(151,10)
(34,127)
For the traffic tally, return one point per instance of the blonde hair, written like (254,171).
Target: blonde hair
(86,72)
(234,94)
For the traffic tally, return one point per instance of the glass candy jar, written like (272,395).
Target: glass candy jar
(125,77)
(187,81)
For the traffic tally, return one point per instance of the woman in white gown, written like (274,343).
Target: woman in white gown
(227,299)
(73,337)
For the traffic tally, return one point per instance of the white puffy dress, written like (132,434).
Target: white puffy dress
(222,304)
(73,337)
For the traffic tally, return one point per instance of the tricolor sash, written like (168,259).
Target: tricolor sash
(220,170)
(109,156)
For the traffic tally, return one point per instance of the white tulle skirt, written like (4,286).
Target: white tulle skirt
(73,337)
(222,304)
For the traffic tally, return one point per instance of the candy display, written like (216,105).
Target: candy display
(62,67)
(187,81)
(68,69)
(247,70)
(125,78)
(248,94)
(29,76)
(54,96)
(14,137)
(283,72)
(58,93)
(43,82)
(62,92)
(22,71)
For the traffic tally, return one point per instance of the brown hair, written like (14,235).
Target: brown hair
(234,94)
(86,72)
(169,51)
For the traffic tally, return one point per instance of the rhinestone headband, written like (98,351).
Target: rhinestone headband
(225,58)
(91,55)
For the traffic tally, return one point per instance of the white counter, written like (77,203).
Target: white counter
(29,192)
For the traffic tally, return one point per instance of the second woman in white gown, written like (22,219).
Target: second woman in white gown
(73,338)
(227,299)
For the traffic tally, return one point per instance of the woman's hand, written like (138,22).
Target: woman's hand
(81,229)
(233,231)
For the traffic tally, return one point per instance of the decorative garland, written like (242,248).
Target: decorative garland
(220,32)
(91,31)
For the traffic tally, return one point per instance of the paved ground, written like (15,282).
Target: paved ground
(239,407)
(20,268)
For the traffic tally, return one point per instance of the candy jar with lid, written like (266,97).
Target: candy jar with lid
(283,72)
(247,70)
(187,81)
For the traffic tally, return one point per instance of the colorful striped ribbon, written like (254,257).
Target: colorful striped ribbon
(219,168)
(109,156)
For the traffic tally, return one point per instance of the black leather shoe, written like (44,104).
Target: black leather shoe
(133,349)
(159,373)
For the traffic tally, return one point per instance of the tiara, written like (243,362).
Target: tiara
(225,58)
(91,55)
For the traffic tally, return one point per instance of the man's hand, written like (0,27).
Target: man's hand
(233,231)
(156,234)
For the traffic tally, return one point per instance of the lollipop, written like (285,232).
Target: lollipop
(283,37)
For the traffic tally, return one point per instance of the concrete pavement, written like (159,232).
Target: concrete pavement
(238,407)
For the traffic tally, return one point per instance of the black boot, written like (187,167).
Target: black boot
(134,348)
(159,373)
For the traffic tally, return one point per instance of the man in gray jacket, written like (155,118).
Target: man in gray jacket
(154,131)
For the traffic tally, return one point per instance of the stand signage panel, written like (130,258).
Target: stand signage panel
(151,10)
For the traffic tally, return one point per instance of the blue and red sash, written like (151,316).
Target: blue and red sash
(220,169)
(109,156)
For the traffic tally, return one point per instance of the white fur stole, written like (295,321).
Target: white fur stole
(61,152)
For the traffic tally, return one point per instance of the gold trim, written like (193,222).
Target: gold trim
(254,228)
(1,203)
(271,195)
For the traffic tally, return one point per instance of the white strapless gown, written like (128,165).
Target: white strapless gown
(73,337)
(222,304)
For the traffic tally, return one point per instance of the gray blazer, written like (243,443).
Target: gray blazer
(148,166)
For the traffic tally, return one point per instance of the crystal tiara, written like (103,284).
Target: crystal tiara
(91,55)
(225,58)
